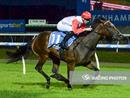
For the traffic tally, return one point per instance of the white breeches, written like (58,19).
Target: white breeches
(64,26)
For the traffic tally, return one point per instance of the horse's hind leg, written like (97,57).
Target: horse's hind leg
(39,69)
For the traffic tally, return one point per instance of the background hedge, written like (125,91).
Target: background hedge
(104,55)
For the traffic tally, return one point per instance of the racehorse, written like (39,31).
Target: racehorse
(80,53)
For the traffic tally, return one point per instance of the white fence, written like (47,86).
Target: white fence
(115,46)
(123,46)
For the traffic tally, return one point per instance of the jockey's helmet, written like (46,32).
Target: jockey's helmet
(86,15)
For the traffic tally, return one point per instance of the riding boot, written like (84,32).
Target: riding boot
(66,38)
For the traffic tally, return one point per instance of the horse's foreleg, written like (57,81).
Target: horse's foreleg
(39,69)
(70,69)
(94,68)
(55,69)
(91,65)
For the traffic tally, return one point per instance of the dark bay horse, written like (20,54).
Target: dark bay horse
(80,53)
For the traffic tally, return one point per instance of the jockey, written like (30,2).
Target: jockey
(74,25)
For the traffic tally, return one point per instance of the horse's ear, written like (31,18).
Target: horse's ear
(96,21)
(101,18)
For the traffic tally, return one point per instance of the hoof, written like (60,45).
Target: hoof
(56,76)
(53,76)
(69,87)
(48,84)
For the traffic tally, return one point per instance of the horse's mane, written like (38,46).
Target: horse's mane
(97,20)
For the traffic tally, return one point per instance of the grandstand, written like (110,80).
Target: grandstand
(120,2)
(40,9)
(111,5)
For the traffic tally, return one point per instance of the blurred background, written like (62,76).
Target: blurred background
(51,10)
(21,20)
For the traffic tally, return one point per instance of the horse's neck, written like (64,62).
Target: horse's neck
(91,40)
(86,47)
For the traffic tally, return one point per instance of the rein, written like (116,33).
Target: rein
(101,25)
(96,30)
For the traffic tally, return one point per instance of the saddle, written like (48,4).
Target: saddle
(56,38)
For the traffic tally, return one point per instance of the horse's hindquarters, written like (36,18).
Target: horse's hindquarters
(39,44)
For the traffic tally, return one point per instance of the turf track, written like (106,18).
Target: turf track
(13,84)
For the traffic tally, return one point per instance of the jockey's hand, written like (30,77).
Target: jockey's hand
(88,29)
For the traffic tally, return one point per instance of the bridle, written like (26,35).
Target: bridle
(101,25)
(106,25)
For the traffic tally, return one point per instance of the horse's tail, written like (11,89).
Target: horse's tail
(17,55)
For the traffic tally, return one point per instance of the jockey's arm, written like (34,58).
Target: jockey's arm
(88,29)
(75,27)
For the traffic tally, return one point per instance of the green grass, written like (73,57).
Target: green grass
(112,56)
(13,84)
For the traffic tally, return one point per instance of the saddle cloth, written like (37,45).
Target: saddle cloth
(56,38)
